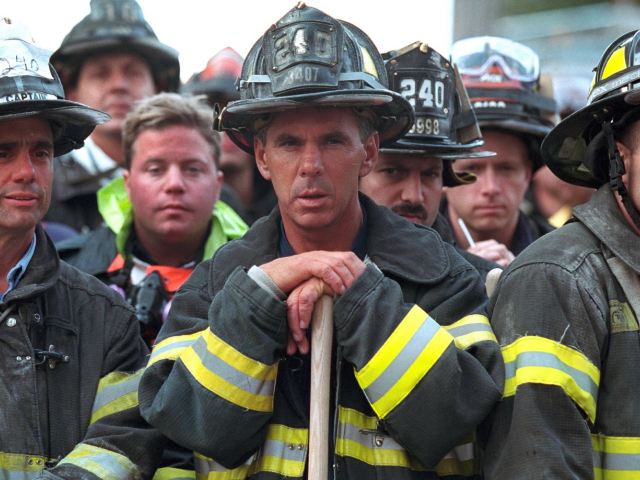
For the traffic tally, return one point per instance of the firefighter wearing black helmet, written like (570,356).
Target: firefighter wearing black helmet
(70,345)
(566,310)
(409,175)
(109,60)
(229,375)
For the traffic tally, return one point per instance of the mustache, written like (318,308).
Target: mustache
(411,210)
(320,184)
(33,190)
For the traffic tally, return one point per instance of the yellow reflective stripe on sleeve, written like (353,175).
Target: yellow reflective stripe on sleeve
(357,438)
(284,452)
(223,370)
(616,458)
(471,330)
(15,466)
(171,348)
(104,464)
(544,361)
(168,473)
(117,391)
(402,361)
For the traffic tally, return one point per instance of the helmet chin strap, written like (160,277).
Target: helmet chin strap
(616,167)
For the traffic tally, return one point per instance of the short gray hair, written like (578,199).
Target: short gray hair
(167,110)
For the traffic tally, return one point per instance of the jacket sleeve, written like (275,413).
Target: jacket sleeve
(551,331)
(118,443)
(210,385)
(431,369)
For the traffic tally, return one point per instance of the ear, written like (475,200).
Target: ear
(220,178)
(625,155)
(371,147)
(125,178)
(261,160)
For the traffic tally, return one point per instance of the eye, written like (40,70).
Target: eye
(391,170)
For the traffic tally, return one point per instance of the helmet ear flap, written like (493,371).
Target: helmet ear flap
(470,132)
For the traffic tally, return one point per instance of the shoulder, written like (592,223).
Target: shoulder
(92,252)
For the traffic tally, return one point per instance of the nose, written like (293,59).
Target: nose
(23,170)
(174,180)
(311,161)
(489,181)
(119,80)
(412,191)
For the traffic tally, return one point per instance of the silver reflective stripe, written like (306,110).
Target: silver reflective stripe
(227,372)
(627,462)
(110,393)
(286,451)
(171,346)
(105,464)
(15,475)
(548,360)
(471,328)
(403,361)
(462,453)
(15,466)
(367,440)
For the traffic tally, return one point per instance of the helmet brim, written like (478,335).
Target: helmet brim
(76,121)
(571,150)
(394,113)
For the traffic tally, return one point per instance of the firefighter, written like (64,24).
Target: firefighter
(217,82)
(110,59)
(566,310)
(68,342)
(229,374)
(515,109)
(164,216)
(409,175)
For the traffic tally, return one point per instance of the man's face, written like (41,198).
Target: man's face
(631,158)
(113,82)
(314,158)
(173,184)
(26,173)
(491,203)
(407,183)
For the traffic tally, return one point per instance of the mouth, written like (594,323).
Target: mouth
(312,199)
(21,198)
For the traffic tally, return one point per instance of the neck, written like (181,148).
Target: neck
(337,238)
(169,252)
(13,248)
(111,145)
(503,236)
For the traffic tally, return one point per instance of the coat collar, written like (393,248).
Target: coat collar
(602,216)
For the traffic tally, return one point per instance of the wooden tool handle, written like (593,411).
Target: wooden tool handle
(321,349)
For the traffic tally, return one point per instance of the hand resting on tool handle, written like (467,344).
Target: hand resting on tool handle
(305,278)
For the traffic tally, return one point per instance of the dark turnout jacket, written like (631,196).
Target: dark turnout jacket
(566,315)
(70,348)
(417,366)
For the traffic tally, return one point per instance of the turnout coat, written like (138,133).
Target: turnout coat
(417,367)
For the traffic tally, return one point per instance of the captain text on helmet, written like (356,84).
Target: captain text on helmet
(410,174)
(566,310)
(229,376)
(68,342)
(109,60)
(515,111)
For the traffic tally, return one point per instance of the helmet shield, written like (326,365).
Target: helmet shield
(29,86)
(576,149)
(310,59)
(117,26)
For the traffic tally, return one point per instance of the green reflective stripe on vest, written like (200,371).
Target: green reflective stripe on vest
(223,370)
(471,330)
(171,348)
(616,458)
(404,359)
(117,391)
(168,473)
(105,464)
(15,466)
(284,452)
(544,361)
